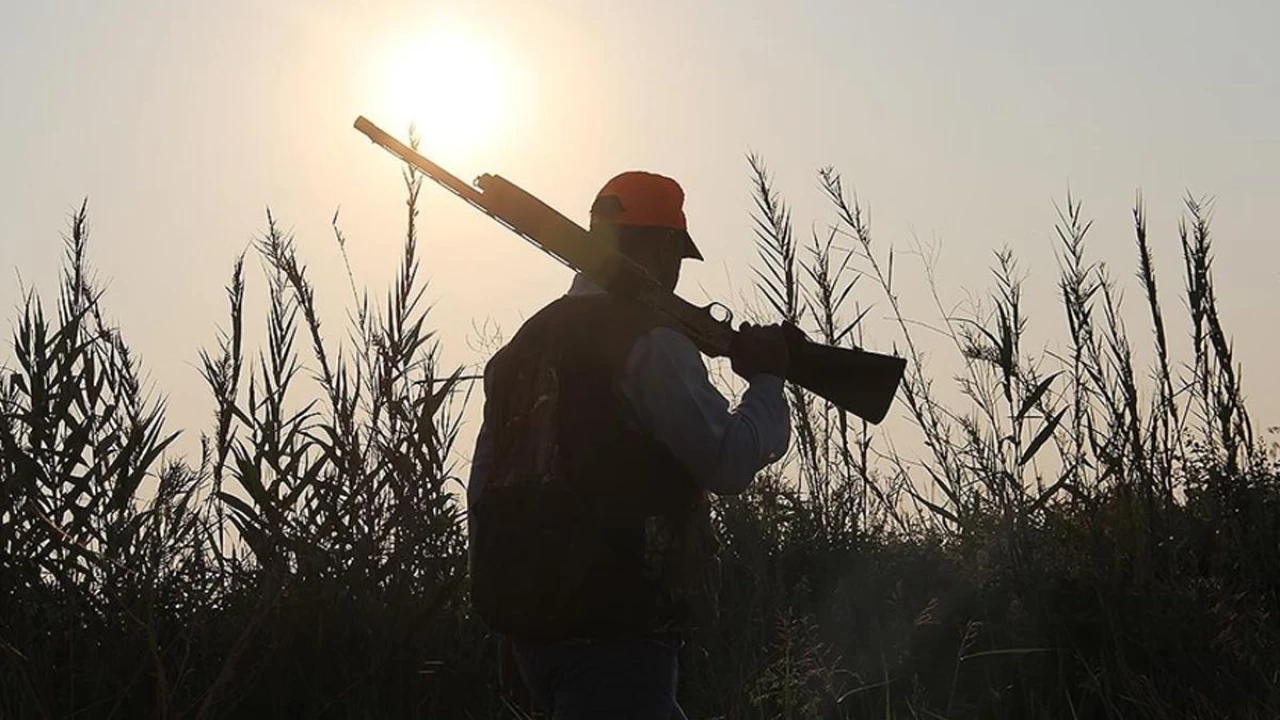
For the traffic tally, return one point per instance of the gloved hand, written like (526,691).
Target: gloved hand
(793,334)
(759,349)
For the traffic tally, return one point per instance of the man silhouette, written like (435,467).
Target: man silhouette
(591,547)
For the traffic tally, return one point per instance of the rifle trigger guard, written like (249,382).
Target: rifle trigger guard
(720,313)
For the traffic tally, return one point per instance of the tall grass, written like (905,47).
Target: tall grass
(1078,536)
(1082,538)
(310,564)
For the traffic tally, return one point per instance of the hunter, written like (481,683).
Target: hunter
(591,547)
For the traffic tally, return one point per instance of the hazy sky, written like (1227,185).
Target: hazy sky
(959,123)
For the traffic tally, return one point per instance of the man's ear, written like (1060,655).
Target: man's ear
(607,208)
(607,234)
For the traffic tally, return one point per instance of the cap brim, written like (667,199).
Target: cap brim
(690,249)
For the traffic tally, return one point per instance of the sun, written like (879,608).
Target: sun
(453,88)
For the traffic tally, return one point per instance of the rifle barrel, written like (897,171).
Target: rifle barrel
(861,382)
(411,156)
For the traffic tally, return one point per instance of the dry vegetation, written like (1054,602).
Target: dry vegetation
(1075,541)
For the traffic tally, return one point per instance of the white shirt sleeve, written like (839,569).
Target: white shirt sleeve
(666,384)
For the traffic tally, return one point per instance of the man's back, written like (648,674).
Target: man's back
(588,501)
(585,526)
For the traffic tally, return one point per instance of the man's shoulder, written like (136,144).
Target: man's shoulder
(599,322)
(664,350)
(670,338)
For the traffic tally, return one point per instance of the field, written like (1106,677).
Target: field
(1081,536)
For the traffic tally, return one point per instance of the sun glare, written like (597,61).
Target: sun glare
(453,88)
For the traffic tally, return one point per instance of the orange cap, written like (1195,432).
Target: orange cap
(644,199)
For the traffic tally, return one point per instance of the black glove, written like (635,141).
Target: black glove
(759,349)
(793,334)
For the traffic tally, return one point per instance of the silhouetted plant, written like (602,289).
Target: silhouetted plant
(1075,540)
(1067,495)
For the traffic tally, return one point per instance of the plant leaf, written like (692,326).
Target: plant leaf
(1046,432)
(1034,396)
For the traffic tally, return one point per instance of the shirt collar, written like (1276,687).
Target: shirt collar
(582,287)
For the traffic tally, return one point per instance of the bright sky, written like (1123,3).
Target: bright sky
(959,123)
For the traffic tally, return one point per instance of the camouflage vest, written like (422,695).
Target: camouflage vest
(585,527)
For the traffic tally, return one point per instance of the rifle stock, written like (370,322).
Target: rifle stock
(861,382)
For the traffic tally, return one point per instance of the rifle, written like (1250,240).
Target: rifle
(855,380)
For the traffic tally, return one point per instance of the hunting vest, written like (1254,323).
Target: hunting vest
(585,526)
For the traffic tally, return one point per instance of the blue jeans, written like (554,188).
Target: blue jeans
(606,681)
